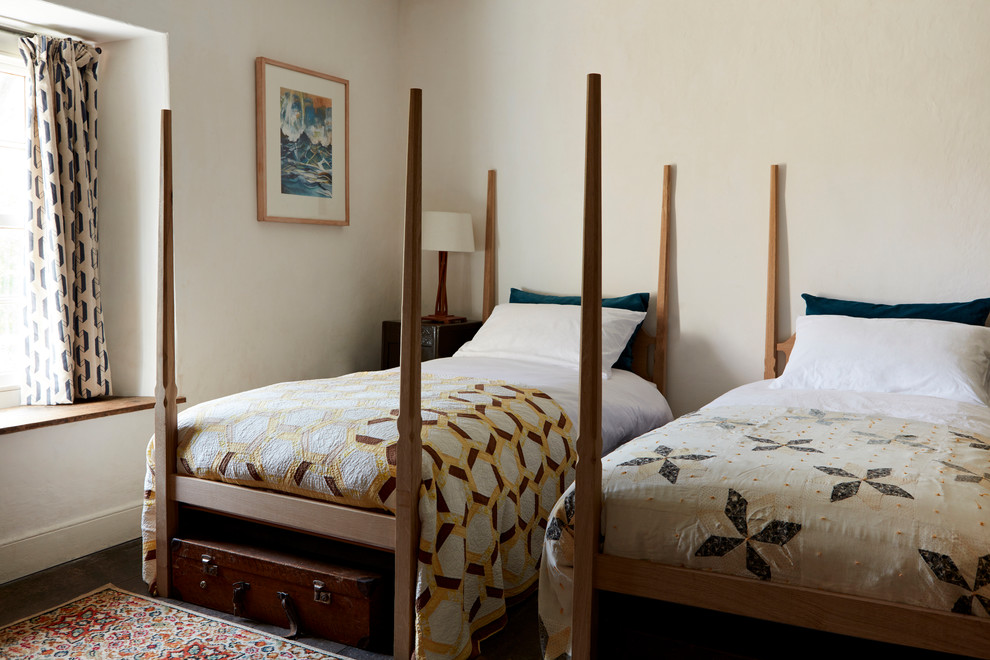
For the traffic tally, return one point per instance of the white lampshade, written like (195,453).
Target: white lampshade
(448,232)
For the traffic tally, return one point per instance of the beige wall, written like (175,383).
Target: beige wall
(262,302)
(134,89)
(877,110)
(256,303)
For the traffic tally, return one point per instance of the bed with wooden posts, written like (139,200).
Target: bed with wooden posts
(854,510)
(417,426)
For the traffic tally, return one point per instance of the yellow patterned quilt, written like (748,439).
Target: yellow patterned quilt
(495,460)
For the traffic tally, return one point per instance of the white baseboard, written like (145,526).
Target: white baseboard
(53,547)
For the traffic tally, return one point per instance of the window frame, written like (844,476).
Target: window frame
(10,381)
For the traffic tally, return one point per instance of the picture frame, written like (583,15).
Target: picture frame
(303,145)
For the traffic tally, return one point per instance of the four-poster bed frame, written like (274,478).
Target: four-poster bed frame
(399,533)
(799,606)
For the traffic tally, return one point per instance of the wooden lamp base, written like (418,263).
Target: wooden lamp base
(440,315)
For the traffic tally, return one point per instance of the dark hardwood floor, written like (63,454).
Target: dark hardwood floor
(121,566)
(630,628)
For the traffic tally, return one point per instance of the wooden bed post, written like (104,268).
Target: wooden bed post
(660,349)
(166,413)
(770,361)
(490,211)
(588,489)
(409,454)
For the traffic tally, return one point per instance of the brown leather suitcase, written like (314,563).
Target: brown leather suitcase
(305,594)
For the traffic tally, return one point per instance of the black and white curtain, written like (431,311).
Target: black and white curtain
(66,349)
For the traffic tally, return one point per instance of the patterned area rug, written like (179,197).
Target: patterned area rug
(110,623)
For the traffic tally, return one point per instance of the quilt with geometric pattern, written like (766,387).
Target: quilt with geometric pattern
(864,505)
(495,460)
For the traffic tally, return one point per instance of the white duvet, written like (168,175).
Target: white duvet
(631,406)
(906,406)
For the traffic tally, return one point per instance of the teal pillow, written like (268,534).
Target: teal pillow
(634,302)
(970,313)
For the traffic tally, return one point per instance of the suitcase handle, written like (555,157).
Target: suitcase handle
(290,612)
(239,589)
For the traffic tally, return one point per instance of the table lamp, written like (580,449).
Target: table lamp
(446,232)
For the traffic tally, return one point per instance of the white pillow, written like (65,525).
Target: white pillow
(549,334)
(908,356)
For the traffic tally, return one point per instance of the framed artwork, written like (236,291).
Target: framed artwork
(303,150)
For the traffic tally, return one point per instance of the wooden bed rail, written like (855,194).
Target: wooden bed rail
(491,209)
(884,621)
(166,409)
(770,359)
(643,341)
(660,347)
(409,455)
(773,347)
(589,473)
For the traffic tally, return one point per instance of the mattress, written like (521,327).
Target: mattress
(884,496)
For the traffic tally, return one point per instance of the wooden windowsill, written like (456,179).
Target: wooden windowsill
(24,418)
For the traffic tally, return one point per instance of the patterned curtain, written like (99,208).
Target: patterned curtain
(67,356)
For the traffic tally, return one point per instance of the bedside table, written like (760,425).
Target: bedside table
(439,340)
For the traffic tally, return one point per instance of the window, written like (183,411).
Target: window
(13,231)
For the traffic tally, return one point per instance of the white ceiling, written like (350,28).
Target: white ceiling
(32,15)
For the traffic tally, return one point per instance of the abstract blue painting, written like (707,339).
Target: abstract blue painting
(306,144)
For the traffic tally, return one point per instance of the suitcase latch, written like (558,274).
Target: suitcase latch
(320,592)
(209,567)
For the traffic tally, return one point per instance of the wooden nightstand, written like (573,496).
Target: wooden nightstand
(439,340)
